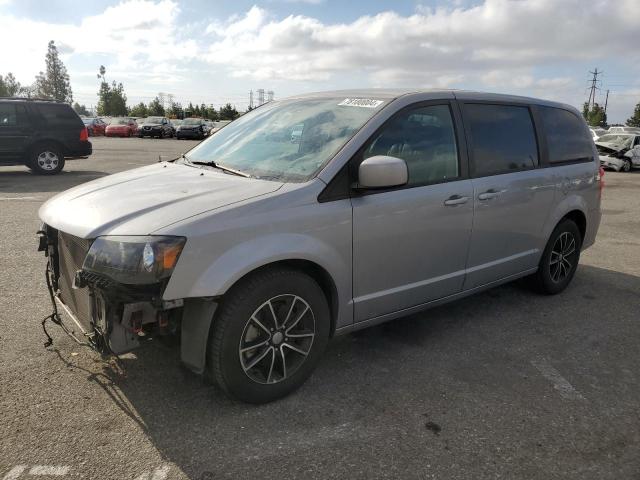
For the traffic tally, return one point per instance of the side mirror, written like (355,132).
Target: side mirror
(382,171)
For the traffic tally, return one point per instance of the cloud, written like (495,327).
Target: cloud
(497,41)
(118,33)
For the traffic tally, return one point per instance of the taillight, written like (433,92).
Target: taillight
(600,179)
(84,134)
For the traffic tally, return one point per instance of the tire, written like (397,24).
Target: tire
(46,159)
(559,260)
(244,321)
(90,132)
(626,166)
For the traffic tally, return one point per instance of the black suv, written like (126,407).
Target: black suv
(155,127)
(40,134)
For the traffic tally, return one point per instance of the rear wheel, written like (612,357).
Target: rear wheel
(559,260)
(46,159)
(268,335)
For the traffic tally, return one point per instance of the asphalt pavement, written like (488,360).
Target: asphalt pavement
(505,384)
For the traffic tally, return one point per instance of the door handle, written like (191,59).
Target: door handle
(454,200)
(489,194)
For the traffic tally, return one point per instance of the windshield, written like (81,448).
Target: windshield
(192,121)
(88,120)
(119,121)
(620,140)
(290,140)
(153,120)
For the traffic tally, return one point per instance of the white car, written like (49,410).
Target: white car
(624,130)
(619,151)
(597,132)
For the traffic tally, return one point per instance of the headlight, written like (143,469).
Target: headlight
(134,260)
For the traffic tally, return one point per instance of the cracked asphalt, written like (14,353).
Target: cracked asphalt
(505,384)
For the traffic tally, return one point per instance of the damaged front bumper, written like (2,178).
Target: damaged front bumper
(111,317)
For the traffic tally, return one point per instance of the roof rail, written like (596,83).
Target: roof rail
(36,99)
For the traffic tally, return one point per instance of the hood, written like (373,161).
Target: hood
(151,124)
(143,200)
(610,147)
(118,126)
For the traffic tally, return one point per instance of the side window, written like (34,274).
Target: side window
(566,136)
(8,115)
(502,137)
(425,139)
(59,114)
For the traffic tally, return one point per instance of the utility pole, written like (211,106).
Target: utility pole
(592,90)
(606,101)
(251,100)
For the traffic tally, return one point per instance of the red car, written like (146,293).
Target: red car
(95,126)
(121,127)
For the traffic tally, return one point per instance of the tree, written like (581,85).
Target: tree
(9,86)
(80,109)
(111,98)
(156,108)
(595,116)
(140,110)
(211,113)
(54,81)
(634,121)
(228,112)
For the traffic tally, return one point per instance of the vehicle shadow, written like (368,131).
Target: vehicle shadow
(24,181)
(399,371)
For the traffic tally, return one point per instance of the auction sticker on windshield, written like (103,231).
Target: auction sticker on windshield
(361,102)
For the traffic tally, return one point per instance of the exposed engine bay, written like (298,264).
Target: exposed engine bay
(111,317)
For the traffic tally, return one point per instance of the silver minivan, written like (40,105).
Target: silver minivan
(256,250)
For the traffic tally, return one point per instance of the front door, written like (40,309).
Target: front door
(410,243)
(512,196)
(14,131)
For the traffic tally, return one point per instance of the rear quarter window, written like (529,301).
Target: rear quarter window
(59,115)
(567,138)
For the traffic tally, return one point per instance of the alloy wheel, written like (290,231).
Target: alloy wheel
(48,160)
(562,258)
(277,339)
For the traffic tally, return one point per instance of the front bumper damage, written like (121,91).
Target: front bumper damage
(110,317)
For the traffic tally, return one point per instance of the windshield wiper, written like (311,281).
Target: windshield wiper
(219,167)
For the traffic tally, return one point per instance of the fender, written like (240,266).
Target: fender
(252,254)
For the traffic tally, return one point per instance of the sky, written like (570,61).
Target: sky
(216,51)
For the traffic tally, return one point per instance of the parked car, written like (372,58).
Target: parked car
(155,127)
(95,126)
(597,132)
(217,125)
(40,134)
(258,250)
(121,127)
(623,130)
(175,123)
(619,151)
(192,128)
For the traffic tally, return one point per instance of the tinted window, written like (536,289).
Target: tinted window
(566,136)
(8,115)
(503,139)
(59,114)
(425,139)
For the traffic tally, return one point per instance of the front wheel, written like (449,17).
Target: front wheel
(559,260)
(268,335)
(626,166)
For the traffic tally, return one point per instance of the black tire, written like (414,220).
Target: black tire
(46,159)
(233,326)
(140,136)
(552,278)
(626,166)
